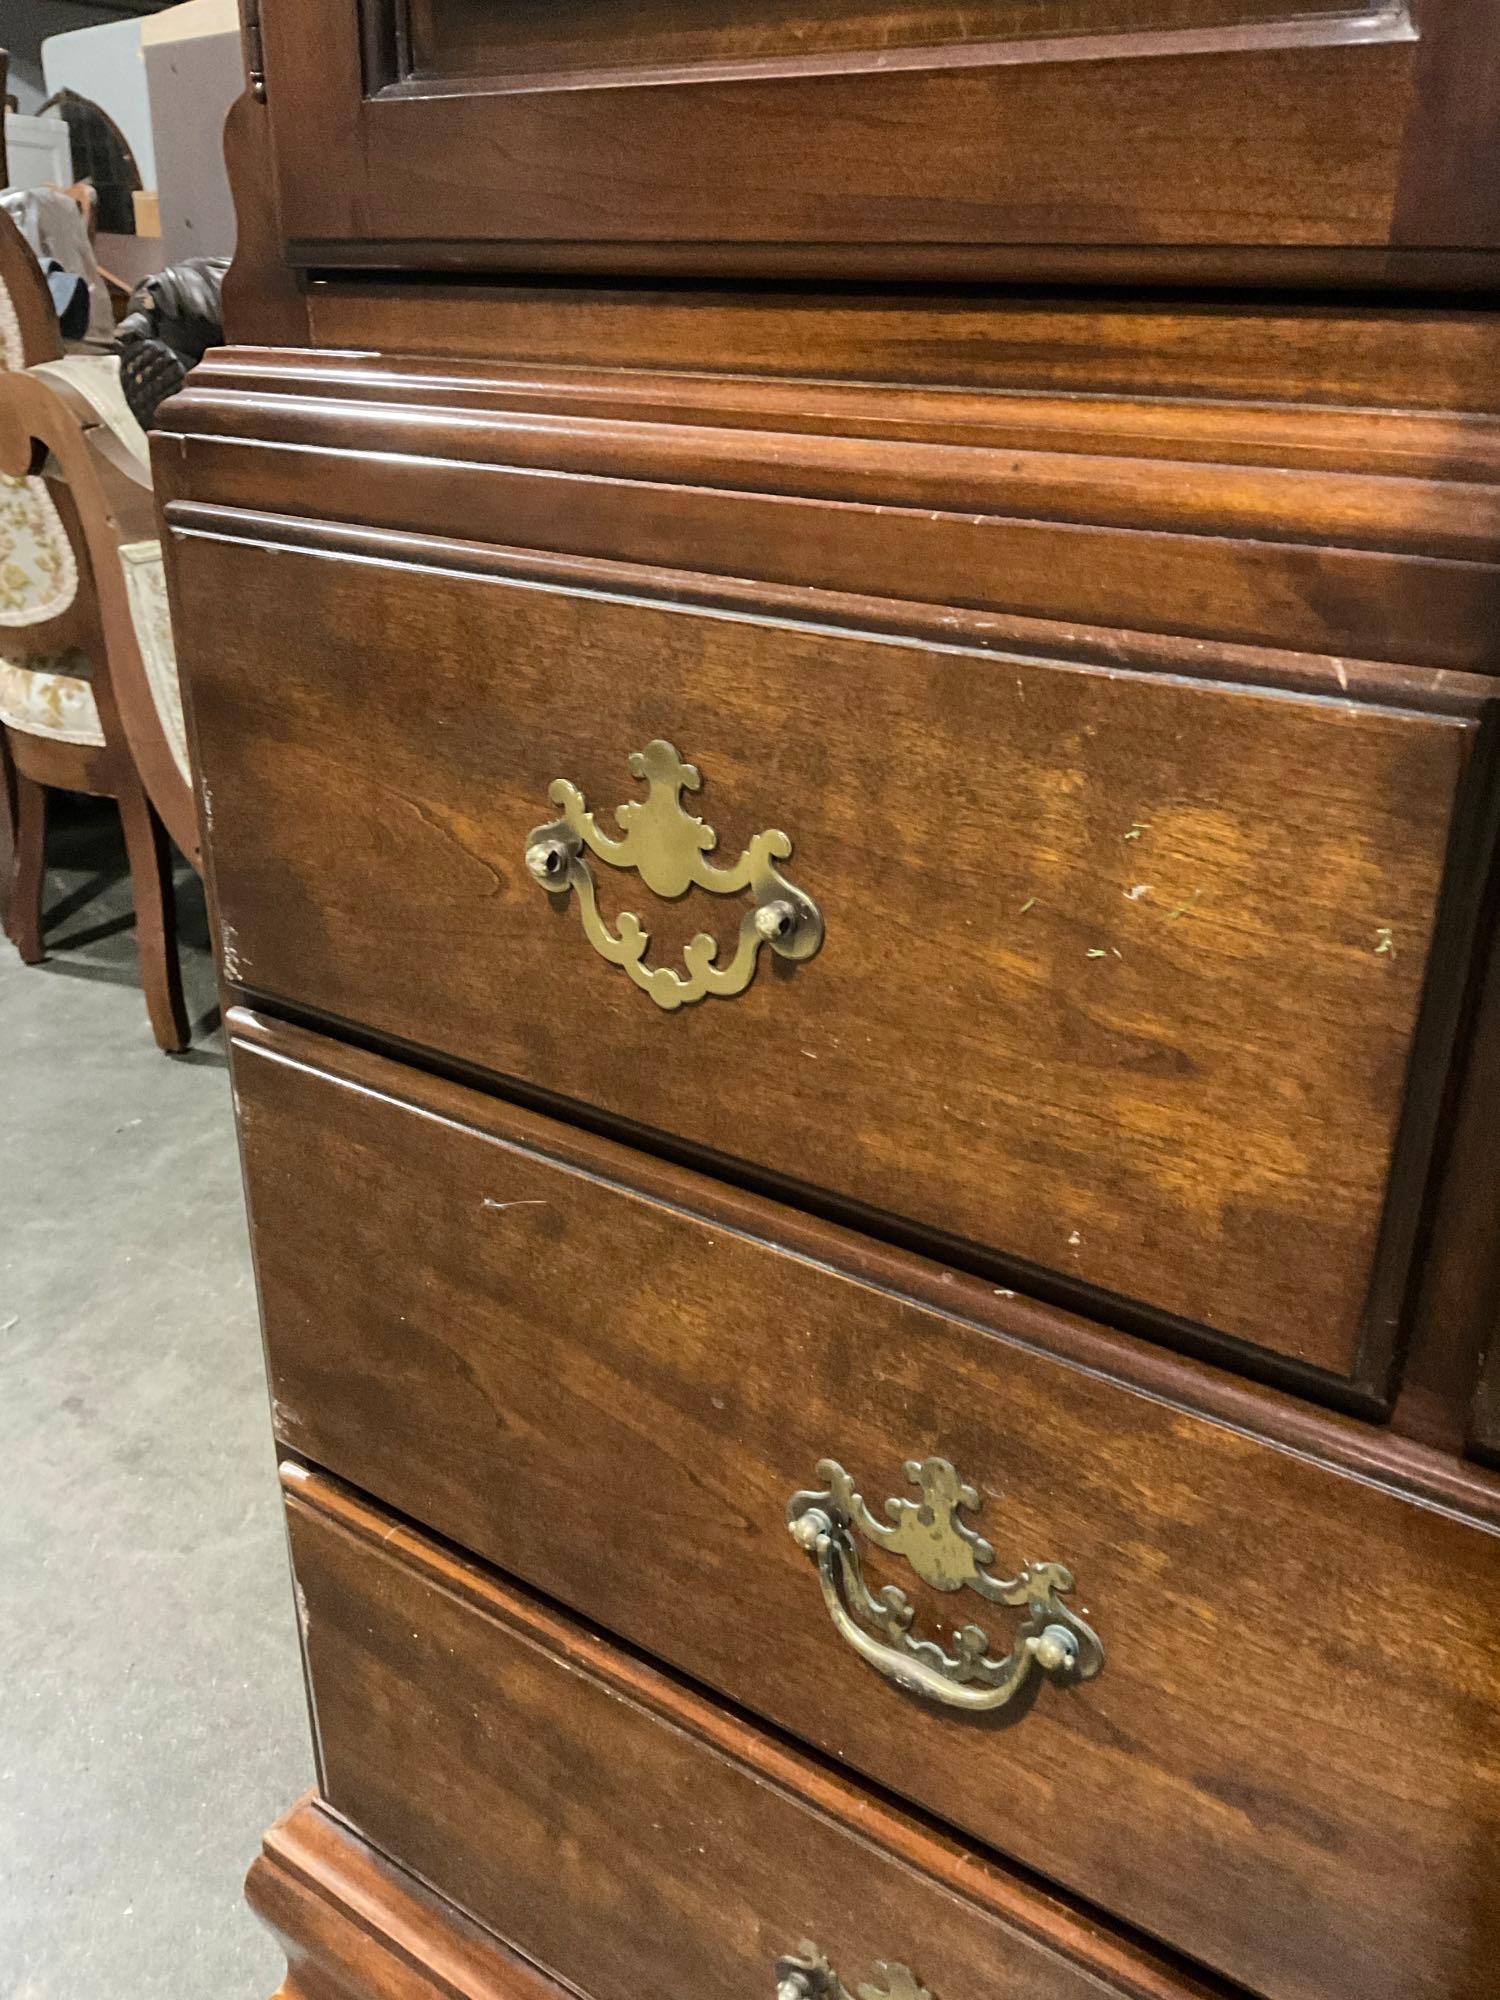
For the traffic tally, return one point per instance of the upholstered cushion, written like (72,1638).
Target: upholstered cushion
(146,586)
(50,696)
(38,571)
(12,347)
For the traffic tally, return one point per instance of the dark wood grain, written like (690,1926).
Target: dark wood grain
(1120,658)
(504,1335)
(356,1927)
(1454,1315)
(451,39)
(1312,352)
(1353,536)
(1486,1426)
(1450,184)
(1132,930)
(263,299)
(503,1752)
(1346,1443)
(837,140)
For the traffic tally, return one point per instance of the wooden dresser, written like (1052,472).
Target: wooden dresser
(841,659)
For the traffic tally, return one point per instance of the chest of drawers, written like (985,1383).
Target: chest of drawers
(851,805)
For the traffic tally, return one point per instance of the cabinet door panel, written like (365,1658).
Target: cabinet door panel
(1254,140)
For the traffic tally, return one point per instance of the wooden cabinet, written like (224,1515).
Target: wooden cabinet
(1109,138)
(547,1354)
(858,918)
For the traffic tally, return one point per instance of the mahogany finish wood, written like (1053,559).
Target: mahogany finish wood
(489,505)
(1486,1430)
(1457,1307)
(1149,945)
(1126,138)
(608,1374)
(355,1927)
(1296,353)
(1334,535)
(1350,1444)
(695,1850)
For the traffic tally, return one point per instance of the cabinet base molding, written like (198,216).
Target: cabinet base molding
(356,1927)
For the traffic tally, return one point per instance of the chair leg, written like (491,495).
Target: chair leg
(7,829)
(150,857)
(23,913)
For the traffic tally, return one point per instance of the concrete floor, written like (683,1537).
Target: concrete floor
(151,1715)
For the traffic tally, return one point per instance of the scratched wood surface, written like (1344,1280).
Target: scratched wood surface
(612,1391)
(1117,141)
(693,1851)
(1093,942)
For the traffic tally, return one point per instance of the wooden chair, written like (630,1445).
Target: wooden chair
(88,695)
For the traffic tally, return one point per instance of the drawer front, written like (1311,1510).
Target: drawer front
(621,1833)
(812,137)
(1120,976)
(604,1375)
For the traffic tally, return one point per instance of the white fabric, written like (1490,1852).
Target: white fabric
(12,347)
(146,587)
(96,377)
(38,570)
(50,696)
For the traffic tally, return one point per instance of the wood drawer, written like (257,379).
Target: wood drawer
(1122,975)
(609,1376)
(622,1833)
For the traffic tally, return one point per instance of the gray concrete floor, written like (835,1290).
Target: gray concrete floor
(151,1716)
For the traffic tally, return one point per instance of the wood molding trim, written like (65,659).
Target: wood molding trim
(355,1927)
(1364,536)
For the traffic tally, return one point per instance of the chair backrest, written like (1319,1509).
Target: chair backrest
(39,558)
(28,319)
(46,420)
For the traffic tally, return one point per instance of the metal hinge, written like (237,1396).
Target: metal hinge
(255,55)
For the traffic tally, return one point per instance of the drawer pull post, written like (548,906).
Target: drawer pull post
(807,1975)
(949,1555)
(668,847)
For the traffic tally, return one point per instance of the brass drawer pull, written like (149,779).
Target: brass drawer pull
(807,1975)
(947,1554)
(668,846)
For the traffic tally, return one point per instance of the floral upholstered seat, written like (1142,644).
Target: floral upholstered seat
(146,588)
(49,694)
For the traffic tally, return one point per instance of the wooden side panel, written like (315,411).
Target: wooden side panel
(1094,940)
(621,1833)
(612,1389)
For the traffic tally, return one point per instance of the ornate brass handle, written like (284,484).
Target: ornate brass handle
(668,848)
(950,1556)
(807,1975)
